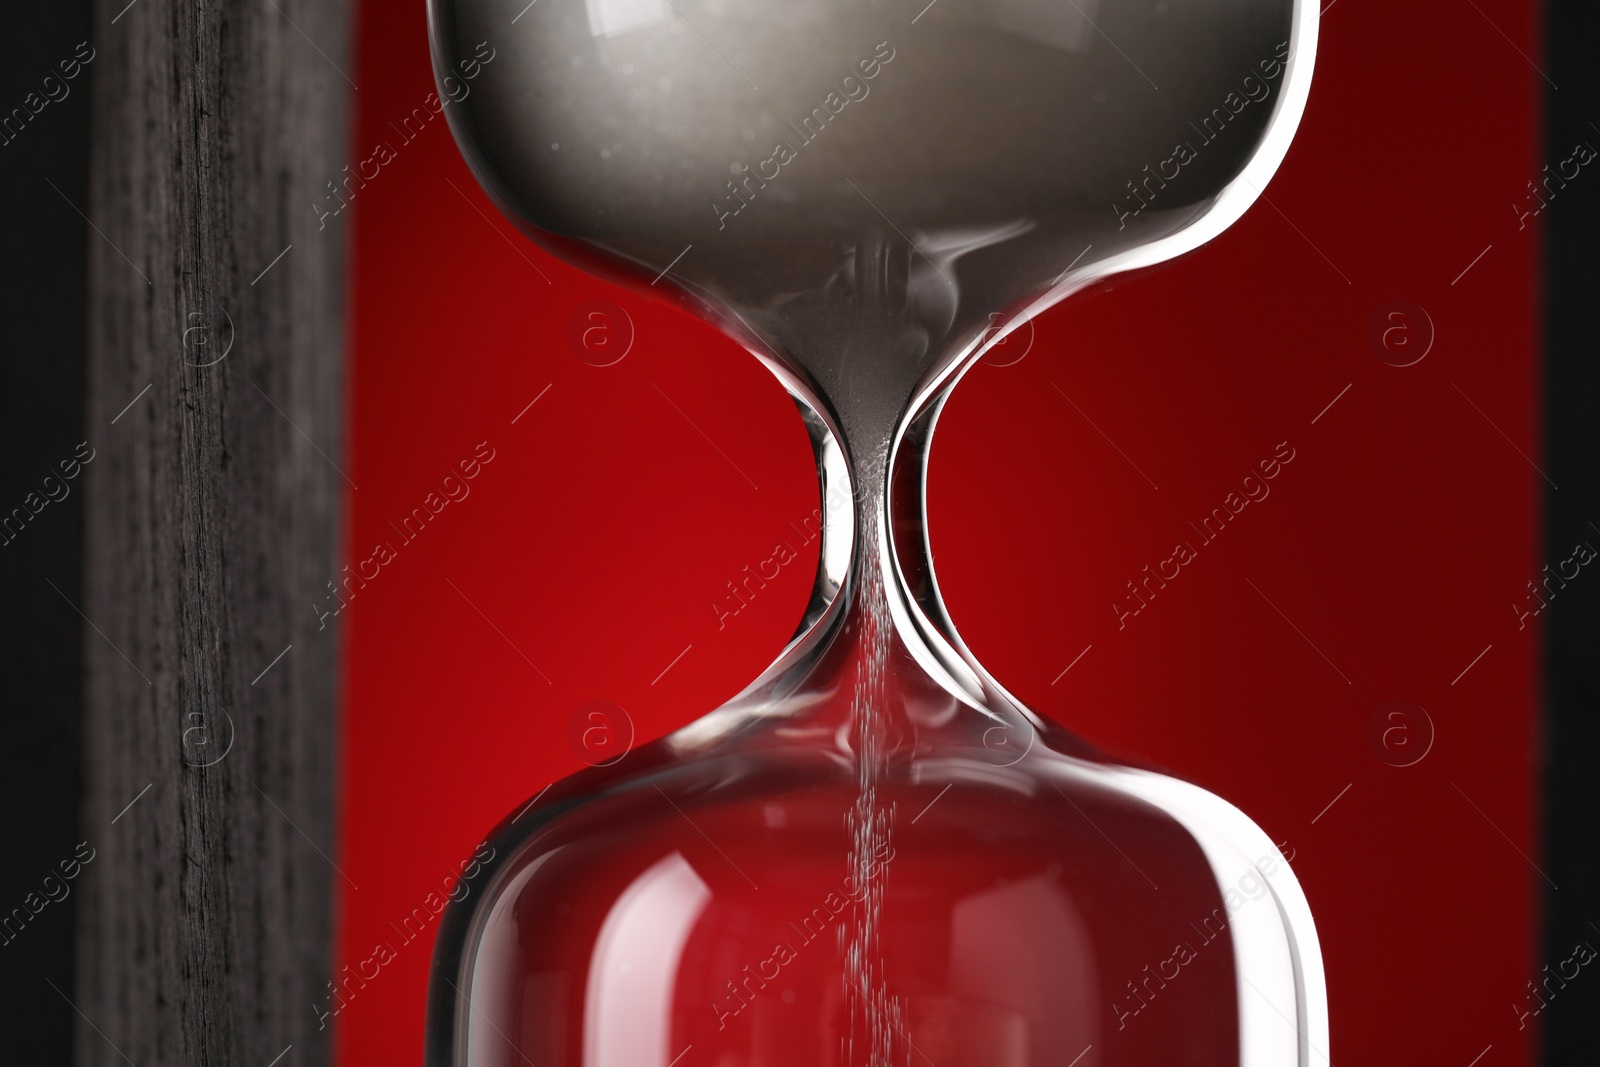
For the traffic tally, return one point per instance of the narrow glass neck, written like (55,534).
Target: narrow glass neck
(876,666)
(876,673)
(914,690)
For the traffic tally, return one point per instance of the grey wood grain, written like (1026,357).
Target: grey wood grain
(212,520)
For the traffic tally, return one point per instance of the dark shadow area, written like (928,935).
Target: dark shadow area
(1570,989)
(44,141)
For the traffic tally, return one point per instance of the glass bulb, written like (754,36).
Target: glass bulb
(875,855)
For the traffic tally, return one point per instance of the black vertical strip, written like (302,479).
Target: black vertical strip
(44,138)
(1570,988)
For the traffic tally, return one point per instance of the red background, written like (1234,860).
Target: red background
(591,547)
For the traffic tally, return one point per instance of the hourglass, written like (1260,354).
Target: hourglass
(875,855)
